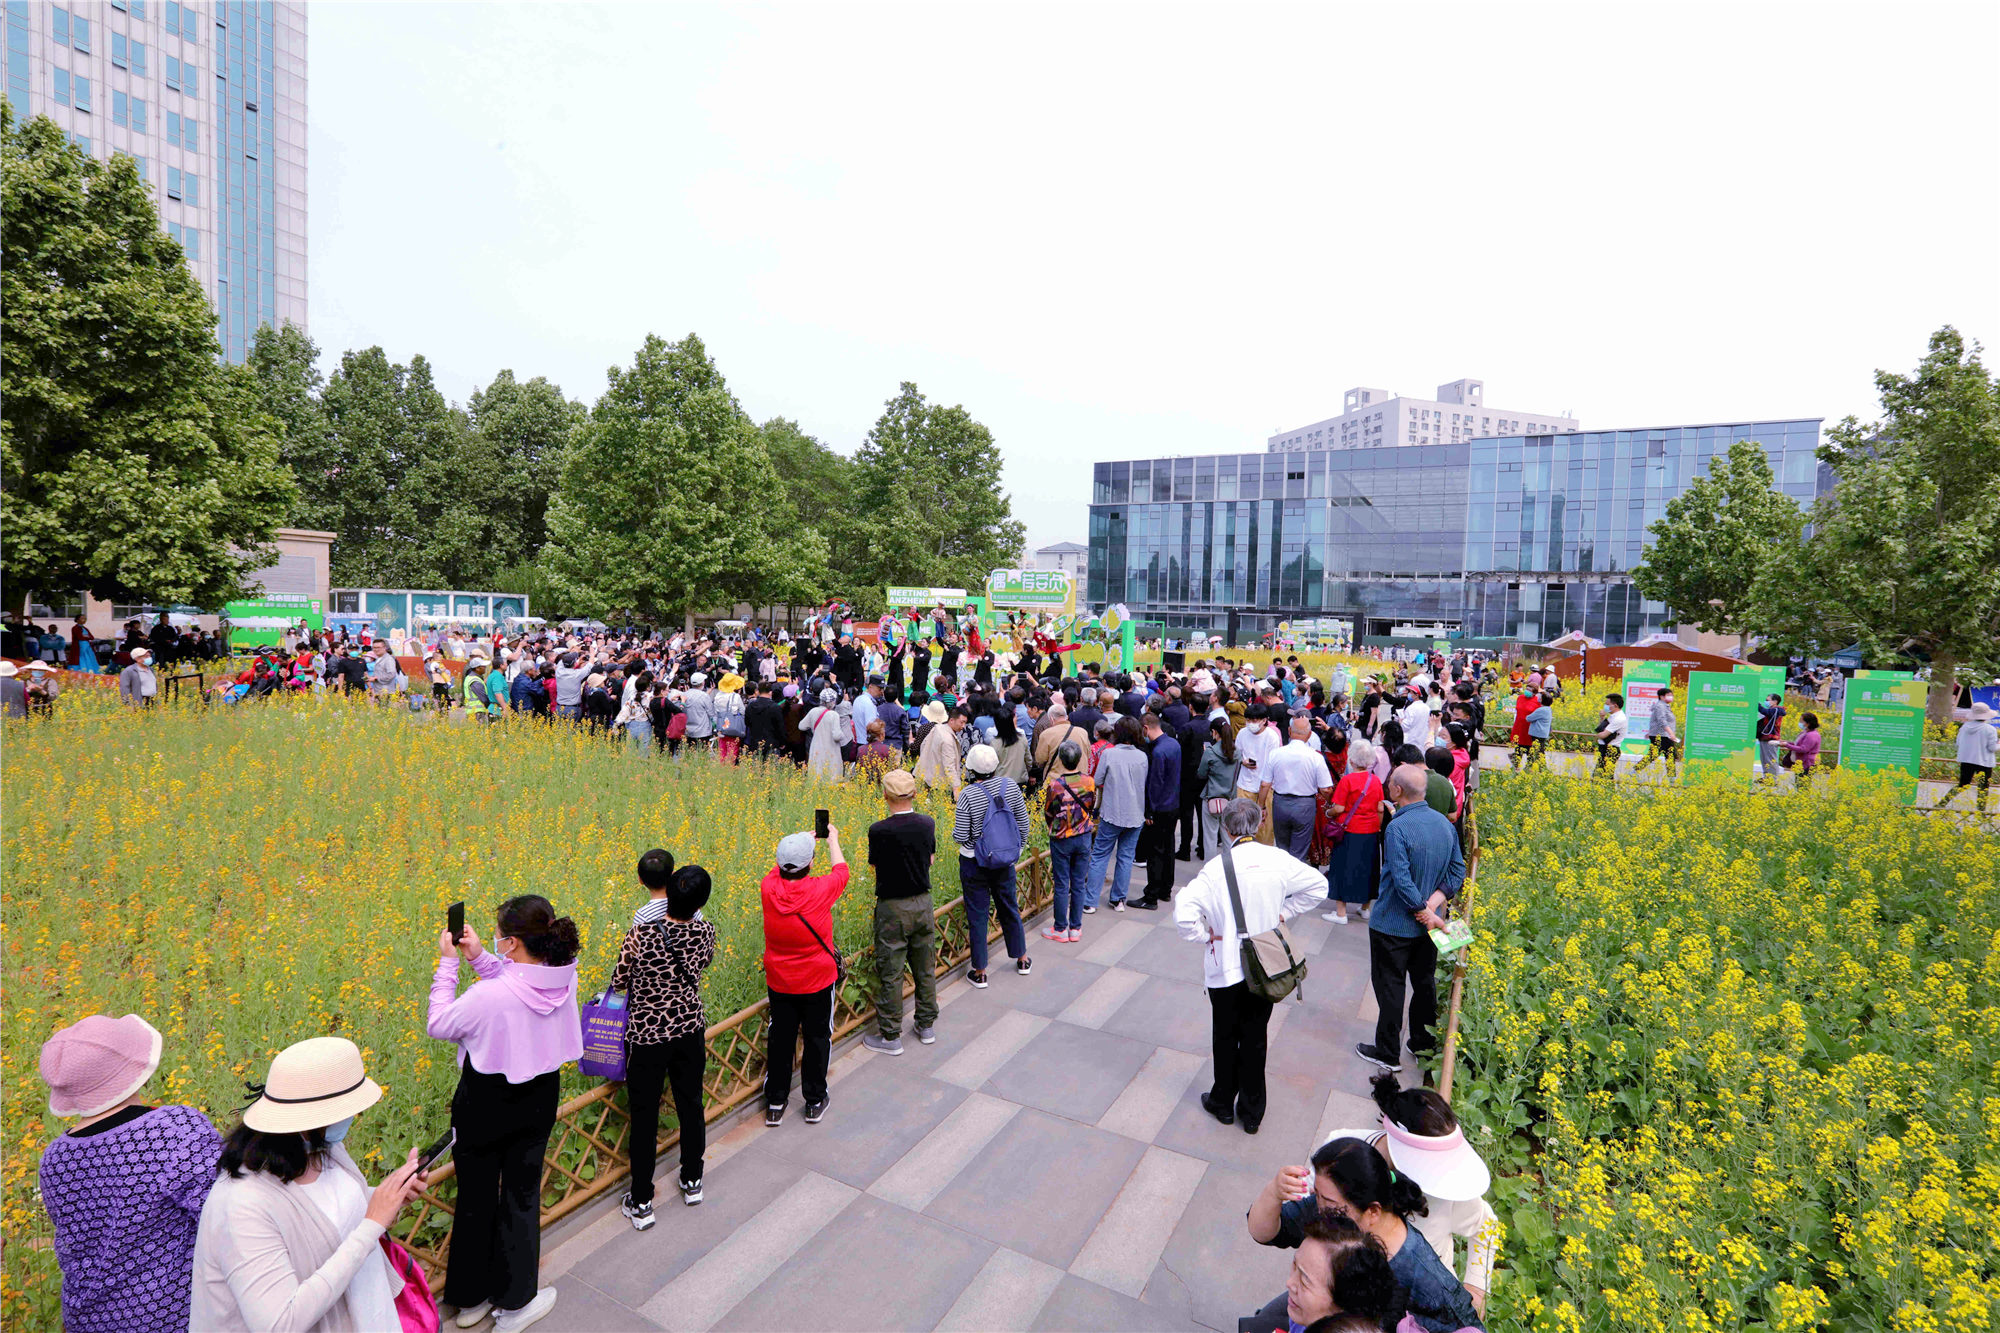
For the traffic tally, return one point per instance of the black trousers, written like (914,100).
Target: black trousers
(1156,849)
(1187,824)
(1391,959)
(1240,1024)
(679,1064)
(496,1232)
(811,1014)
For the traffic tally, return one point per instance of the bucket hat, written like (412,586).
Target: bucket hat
(1981,711)
(312,1084)
(982,759)
(97,1062)
(1445,1166)
(934,711)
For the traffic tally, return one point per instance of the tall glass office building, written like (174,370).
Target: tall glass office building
(209,100)
(1516,537)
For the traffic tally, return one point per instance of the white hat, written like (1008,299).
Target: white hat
(9,669)
(934,711)
(982,759)
(38,666)
(698,678)
(312,1084)
(142,654)
(1981,711)
(1444,1166)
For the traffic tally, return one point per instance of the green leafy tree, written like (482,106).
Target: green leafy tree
(1904,555)
(1707,550)
(665,503)
(134,466)
(928,499)
(818,497)
(524,426)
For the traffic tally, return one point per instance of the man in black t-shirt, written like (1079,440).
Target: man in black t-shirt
(901,849)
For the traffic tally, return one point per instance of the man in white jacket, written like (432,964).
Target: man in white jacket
(1274,886)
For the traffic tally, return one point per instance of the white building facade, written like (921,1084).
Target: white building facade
(1071,557)
(209,99)
(1376,418)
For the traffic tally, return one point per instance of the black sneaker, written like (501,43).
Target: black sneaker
(1373,1056)
(690,1192)
(641,1214)
(1225,1115)
(1251,1126)
(814,1110)
(1024,965)
(1146,904)
(774,1116)
(978,980)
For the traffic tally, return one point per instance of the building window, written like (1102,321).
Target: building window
(193,246)
(119,115)
(61,76)
(79,33)
(139,9)
(59,26)
(144,167)
(118,49)
(174,129)
(173,182)
(139,58)
(191,184)
(81,90)
(173,74)
(138,115)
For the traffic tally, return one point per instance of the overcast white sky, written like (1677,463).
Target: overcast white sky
(1127,231)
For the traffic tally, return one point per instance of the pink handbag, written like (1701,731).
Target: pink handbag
(416,1308)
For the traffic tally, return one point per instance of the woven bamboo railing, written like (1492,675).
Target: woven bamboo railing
(587,1152)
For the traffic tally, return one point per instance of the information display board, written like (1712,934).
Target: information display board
(1722,722)
(264,620)
(1643,683)
(1031,590)
(1882,726)
(926,598)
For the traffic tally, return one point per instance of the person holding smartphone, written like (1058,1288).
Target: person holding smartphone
(291,1235)
(801,969)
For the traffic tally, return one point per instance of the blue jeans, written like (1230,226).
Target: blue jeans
(986,891)
(1112,840)
(1069,863)
(639,731)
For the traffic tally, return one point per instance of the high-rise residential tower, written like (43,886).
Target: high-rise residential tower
(210,100)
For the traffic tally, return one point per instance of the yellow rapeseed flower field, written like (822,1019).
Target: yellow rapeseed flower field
(1733,1059)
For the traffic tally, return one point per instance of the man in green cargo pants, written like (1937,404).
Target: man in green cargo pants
(901,848)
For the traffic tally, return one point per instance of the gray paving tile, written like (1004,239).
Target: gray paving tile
(959,1023)
(1070,1071)
(1085,1307)
(1041,1186)
(584,1309)
(1055,983)
(1291,1113)
(1004,1298)
(1127,1244)
(1211,1271)
(720,1280)
(1164,953)
(634,1266)
(874,1118)
(875,1266)
(1167,1011)
(1317,1044)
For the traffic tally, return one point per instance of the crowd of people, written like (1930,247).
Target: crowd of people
(1289,792)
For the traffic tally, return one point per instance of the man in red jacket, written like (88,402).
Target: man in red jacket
(799,970)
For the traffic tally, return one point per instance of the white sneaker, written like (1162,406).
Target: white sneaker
(1338,918)
(473,1316)
(509,1320)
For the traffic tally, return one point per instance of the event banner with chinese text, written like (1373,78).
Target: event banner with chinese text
(1722,721)
(1882,726)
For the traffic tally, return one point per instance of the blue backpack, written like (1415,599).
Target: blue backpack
(999,841)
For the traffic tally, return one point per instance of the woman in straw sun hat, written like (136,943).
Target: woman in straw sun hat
(124,1187)
(291,1236)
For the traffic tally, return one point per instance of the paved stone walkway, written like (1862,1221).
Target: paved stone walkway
(1045,1165)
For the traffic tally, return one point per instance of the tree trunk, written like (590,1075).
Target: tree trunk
(1944,688)
(1743,645)
(687,622)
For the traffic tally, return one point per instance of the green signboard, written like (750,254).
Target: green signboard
(1882,726)
(264,620)
(1031,590)
(1643,682)
(1722,721)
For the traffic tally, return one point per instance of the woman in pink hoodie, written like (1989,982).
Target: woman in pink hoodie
(516,1026)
